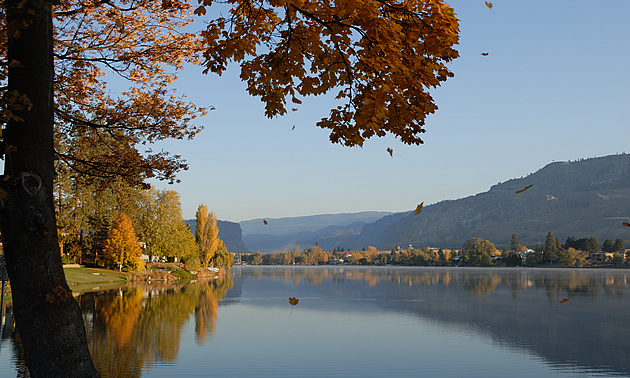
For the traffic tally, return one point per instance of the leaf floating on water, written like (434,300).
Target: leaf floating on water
(524,189)
(626,224)
(391,152)
(565,299)
(484,54)
(489,5)
(213,108)
(418,209)
(293,128)
(315,243)
(264,221)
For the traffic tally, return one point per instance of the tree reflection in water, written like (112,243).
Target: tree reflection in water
(135,328)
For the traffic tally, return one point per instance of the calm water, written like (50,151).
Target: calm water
(362,322)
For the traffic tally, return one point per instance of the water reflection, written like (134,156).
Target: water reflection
(133,330)
(479,282)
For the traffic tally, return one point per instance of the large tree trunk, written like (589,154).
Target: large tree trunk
(47,316)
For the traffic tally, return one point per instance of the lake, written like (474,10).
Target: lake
(361,322)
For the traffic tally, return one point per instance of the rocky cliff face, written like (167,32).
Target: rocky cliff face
(582,199)
(229,232)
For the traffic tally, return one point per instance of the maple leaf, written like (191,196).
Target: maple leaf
(368,52)
(565,300)
(524,189)
(391,152)
(418,209)
(294,301)
(489,5)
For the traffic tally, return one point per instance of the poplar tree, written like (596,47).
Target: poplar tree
(383,56)
(206,234)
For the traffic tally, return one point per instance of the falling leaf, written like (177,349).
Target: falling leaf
(484,54)
(200,11)
(418,209)
(565,299)
(213,108)
(626,224)
(293,128)
(294,109)
(315,243)
(489,5)
(524,189)
(391,152)
(264,221)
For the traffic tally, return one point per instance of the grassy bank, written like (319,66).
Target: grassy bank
(91,279)
(76,276)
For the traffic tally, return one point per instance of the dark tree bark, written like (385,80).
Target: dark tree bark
(47,316)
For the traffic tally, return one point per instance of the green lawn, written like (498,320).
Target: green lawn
(91,275)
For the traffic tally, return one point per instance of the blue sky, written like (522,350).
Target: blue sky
(555,85)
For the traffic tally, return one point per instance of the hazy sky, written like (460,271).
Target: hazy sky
(555,85)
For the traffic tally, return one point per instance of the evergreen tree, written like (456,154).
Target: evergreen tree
(550,251)
(592,245)
(618,246)
(608,246)
(515,246)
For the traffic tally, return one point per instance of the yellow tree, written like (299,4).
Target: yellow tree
(122,248)
(222,257)
(206,234)
(383,55)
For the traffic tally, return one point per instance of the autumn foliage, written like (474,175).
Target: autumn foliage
(383,55)
(206,234)
(122,248)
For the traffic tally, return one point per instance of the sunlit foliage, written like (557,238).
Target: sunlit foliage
(206,234)
(122,248)
(383,57)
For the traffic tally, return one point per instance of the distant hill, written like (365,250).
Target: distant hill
(294,225)
(327,230)
(229,232)
(585,198)
(589,197)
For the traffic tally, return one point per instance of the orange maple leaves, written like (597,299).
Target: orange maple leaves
(383,56)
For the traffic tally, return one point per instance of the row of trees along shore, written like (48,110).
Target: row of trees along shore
(112,226)
(58,111)
(475,252)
